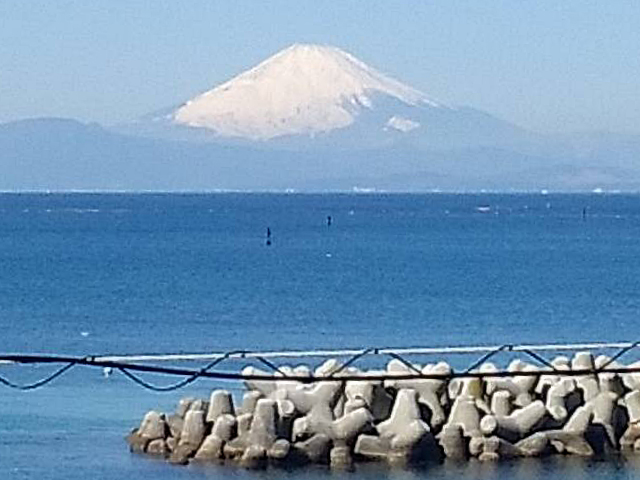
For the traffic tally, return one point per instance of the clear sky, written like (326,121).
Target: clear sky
(563,65)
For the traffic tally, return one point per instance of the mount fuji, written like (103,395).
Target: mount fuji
(314,95)
(302,90)
(312,118)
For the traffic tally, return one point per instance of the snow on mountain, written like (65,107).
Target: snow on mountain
(302,90)
(402,124)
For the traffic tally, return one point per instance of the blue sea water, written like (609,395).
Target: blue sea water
(92,274)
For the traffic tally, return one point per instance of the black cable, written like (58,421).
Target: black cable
(540,359)
(181,384)
(353,359)
(487,356)
(272,366)
(620,353)
(39,383)
(405,362)
(204,372)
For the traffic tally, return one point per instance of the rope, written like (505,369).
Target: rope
(406,363)
(176,386)
(543,360)
(620,353)
(487,356)
(39,383)
(353,359)
(271,365)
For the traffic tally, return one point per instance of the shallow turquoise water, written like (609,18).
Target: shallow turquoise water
(93,274)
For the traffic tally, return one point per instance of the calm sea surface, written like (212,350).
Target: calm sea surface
(94,274)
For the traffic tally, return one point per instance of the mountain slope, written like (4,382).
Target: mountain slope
(320,97)
(304,89)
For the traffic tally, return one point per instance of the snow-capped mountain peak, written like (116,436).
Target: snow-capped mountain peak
(304,89)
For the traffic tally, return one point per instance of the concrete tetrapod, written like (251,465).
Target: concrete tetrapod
(404,437)
(492,448)
(609,382)
(220,403)
(253,446)
(175,421)
(558,404)
(629,440)
(153,427)
(558,364)
(224,429)
(340,433)
(453,442)
(570,439)
(192,435)
(588,383)
(343,434)
(519,386)
(511,425)
(429,390)
(606,420)
(466,415)
(369,394)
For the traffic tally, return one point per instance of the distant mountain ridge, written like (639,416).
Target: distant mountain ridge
(56,154)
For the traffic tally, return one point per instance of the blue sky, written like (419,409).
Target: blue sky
(547,65)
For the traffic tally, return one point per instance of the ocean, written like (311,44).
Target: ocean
(92,274)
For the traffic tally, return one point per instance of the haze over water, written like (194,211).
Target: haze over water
(95,274)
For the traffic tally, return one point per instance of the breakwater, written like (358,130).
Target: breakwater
(405,414)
